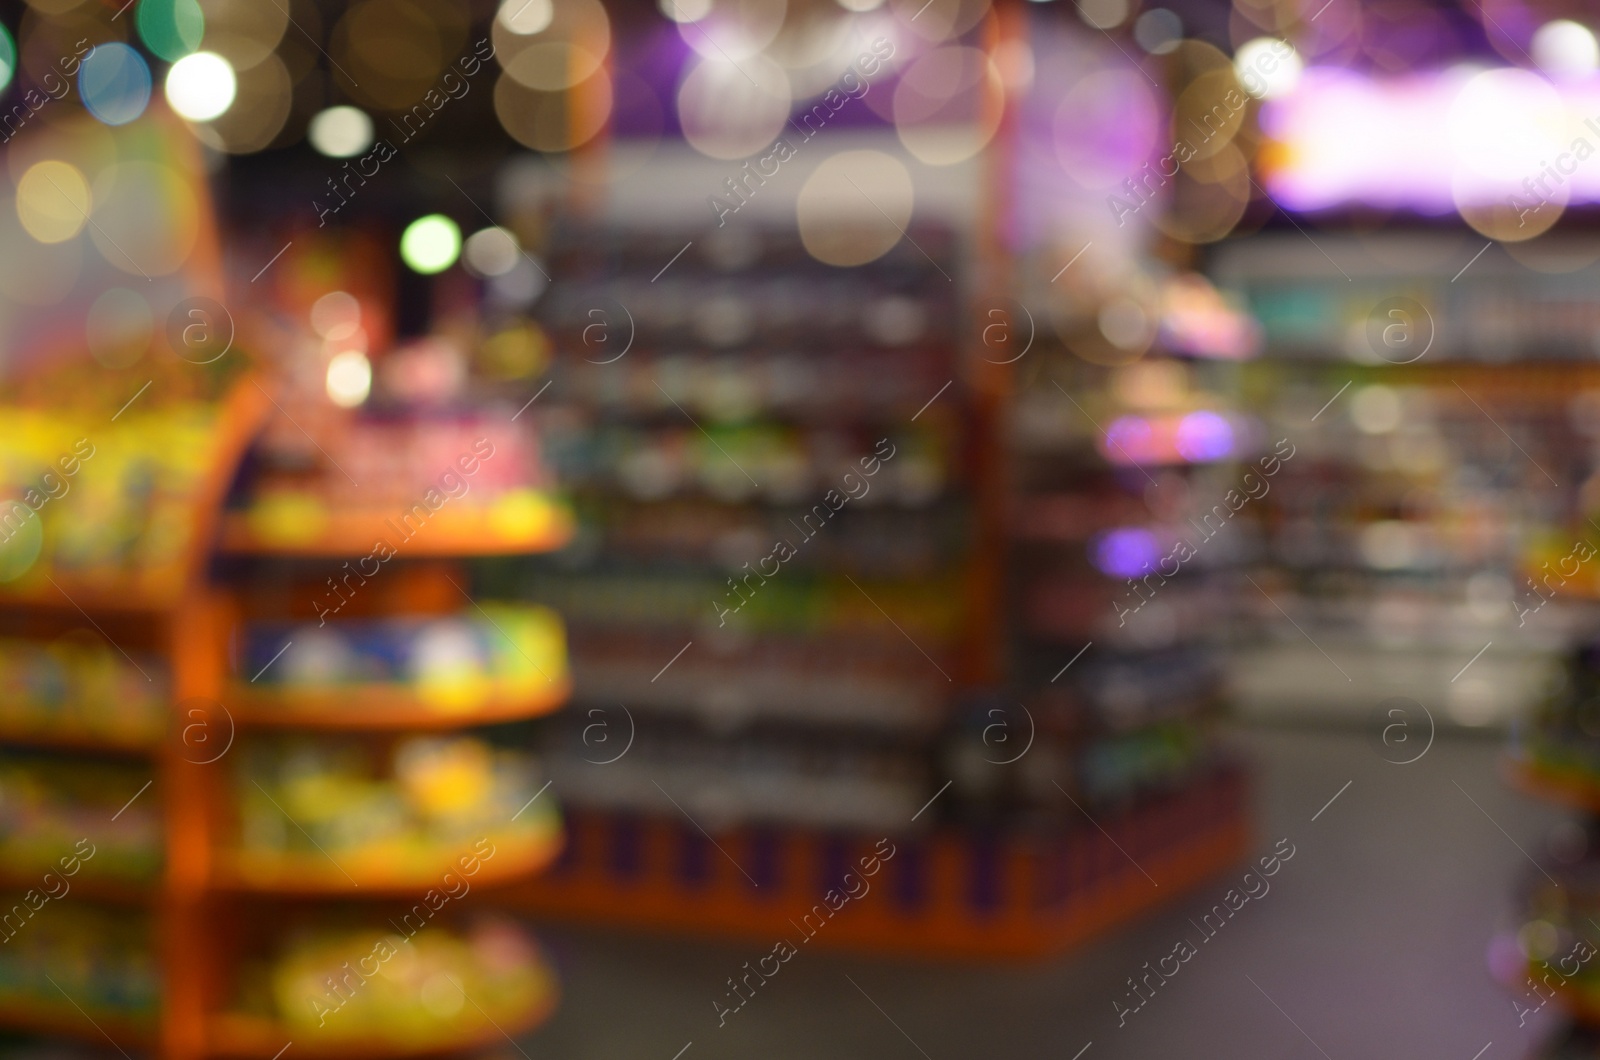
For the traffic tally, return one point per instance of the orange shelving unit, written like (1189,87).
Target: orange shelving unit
(157,607)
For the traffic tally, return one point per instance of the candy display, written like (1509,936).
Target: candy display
(121,514)
(440,986)
(755,477)
(50,804)
(395,812)
(451,664)
(80,687)
(102,959)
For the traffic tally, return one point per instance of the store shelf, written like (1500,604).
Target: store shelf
(1573,790)
(41,1016)
(464,531)
(381,707)
(949,895)
(255,1038)
(375,875)
(119,891)
(80,741)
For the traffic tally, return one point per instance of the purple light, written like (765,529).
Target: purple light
(1204,436)
(1126,552)
(1129,439)
(1431,141)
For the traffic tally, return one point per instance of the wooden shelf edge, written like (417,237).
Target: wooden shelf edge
(313,876)
(82,742)
(381,707)
(42,1017)
(347,535)
(242,1037)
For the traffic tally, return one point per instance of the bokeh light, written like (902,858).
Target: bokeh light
(336,315)
(1158,31)
(430,244)
(146,218)
(946,105)
(8,58)
(262,98)
(491,252)
(569,49)
(526,17)
(854,207)
(53,201)
(1204,436)
(1267,68)
(114,82)
(244,32)
(1565,49)
(735,30)
(170,28)
(684,10)
(201,86)
(1104,14)
(349,379)
(553,121)
(731,110)
(1126,552)
(341,132)
(391,53)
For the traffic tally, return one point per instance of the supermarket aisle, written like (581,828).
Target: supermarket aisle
(1372,938)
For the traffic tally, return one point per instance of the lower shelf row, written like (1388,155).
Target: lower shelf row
(333,983)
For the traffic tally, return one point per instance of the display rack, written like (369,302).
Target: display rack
(161,613)
(205,889)
(740,730)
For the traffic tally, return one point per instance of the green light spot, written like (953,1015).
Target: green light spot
(171,28)
(8,58)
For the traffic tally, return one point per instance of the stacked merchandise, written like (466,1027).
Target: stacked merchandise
(1435,534)
(99,535)
(779,615)
(1436,500)
(759,494)
(1120,538)
(369,792)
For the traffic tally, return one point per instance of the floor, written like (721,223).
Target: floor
(1370,943)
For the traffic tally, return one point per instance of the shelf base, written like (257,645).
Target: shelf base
(949,895)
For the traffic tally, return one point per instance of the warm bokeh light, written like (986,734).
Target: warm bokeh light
(201,86)
(491,252)
(430,244)
(1565,49)
(732,110)
(244,32)
(349,379)
(684,10)
(1267,67)
(526,17)
(341,132)
(854,207)
(146,218)
(53,201)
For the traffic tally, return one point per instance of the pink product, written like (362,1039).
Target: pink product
(471,461)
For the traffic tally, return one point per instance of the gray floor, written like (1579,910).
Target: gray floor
(1371,943)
